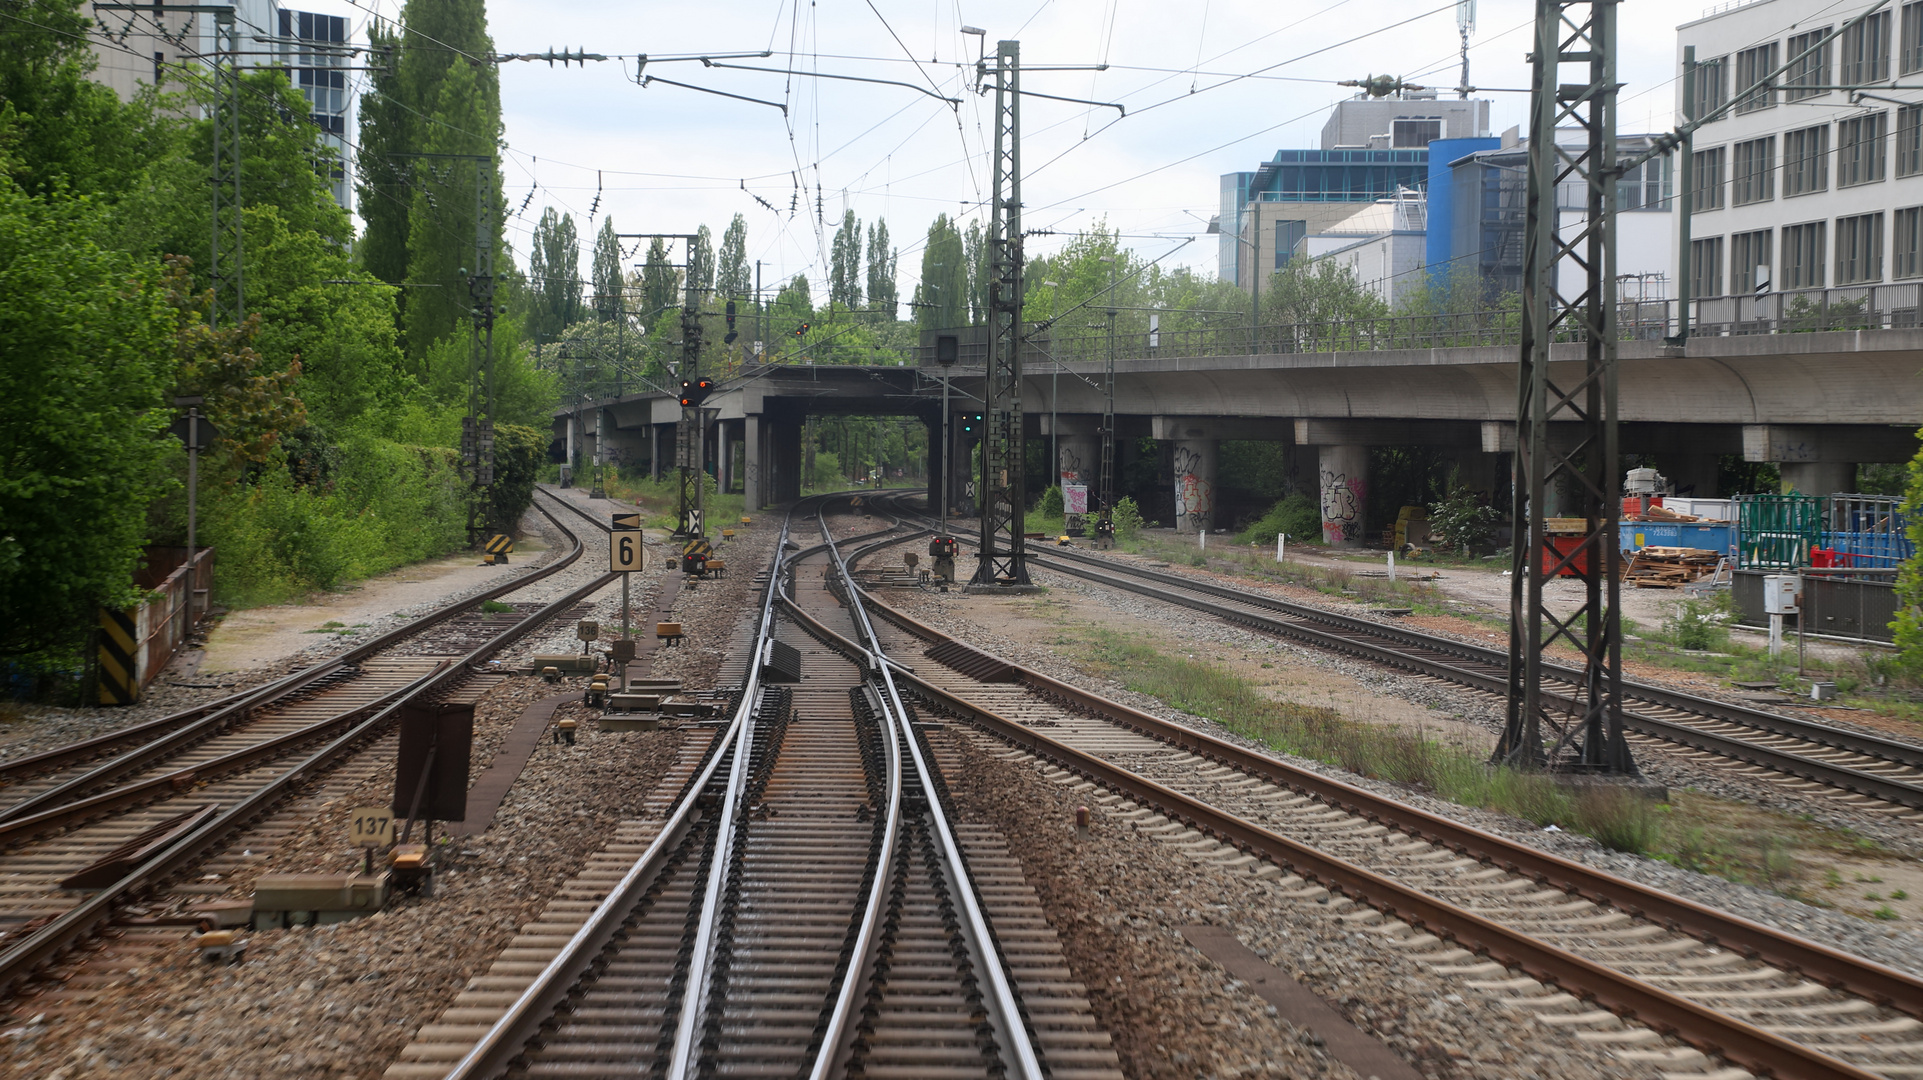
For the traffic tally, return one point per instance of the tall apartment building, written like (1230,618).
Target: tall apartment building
(1802,185)
(136,49)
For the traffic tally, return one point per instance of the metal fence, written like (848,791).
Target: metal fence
(1866,307)
(1863,531)
(1777,532)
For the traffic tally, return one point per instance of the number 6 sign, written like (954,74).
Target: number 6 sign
(624,552)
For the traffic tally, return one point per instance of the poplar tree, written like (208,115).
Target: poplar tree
(606,274)
(442,230)
(659,282)
(732,279)
(554,261)
(943,292)
(701,264)
(881,272)
(844,264)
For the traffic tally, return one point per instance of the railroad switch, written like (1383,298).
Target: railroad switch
(564,731)
(221,947)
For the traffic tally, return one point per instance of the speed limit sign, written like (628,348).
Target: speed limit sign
(624,552)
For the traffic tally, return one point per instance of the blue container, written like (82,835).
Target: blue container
(1719,537)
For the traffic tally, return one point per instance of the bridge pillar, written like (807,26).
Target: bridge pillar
(1343,480)
(724,456)
(1195,484)
(752,465)
(654,462)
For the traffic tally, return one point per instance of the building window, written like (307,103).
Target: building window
(1749,262)
(1712,83)
(1806,160)
(1909,140)
(1803,255)
(1753,172)
(1906,243)
(1707,193)
(1859,249)
(1910,52)
(1706,267)
(1645,187)
(1866,51)
(1807,75)
(1414,134)
(1752,67)
(1859,149)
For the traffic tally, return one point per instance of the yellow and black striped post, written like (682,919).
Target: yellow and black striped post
(119,677)
(498,547)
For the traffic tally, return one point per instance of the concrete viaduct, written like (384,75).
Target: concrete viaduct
(1815,404)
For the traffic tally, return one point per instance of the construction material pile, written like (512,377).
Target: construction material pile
(1669,567)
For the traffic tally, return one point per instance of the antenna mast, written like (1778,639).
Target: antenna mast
(1466,25)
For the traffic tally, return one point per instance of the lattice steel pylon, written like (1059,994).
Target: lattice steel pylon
(230,292)
(1589,735)
(691,434)
(1003,558)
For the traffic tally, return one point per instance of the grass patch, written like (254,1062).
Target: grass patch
(1728,839)
(1224,556)
(495,607)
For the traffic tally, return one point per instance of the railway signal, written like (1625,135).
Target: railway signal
(802,330)
(729,340)
(695,391)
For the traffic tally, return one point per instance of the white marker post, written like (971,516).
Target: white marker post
(1392,566)
(1280,540)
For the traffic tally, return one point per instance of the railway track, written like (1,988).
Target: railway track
(1608,962)
(87,837)
(1866,772)
(805,903)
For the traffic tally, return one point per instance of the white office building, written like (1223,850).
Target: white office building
(1807,198)
(137,49)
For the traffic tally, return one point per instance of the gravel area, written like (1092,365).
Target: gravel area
(342,1000)
(1118,902)
(1890,943)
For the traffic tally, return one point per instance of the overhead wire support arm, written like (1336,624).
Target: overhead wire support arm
(646,80)
(953,102)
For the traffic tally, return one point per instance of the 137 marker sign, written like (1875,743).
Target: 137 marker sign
(624,552)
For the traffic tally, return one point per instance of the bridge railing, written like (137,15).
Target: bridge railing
(1863,307)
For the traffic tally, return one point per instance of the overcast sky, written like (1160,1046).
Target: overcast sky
(1211,86)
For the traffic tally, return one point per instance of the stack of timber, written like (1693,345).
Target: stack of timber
(1669,567)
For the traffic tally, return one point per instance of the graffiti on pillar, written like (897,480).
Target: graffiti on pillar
(1194,493)
(1341,507)
(1070,466)
(753,473)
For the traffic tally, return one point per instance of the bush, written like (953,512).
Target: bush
(1463,523)
(1127,518)
(1051,503)
(1700,624)
(1297,516)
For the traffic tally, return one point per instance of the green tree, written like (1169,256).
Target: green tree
(733,280)
(943,292)
(85,360)
(449,216)
(1909,580)
(59,127)
(844,263)
(981,272)
(660,284)
(1324,299)
(441,98)
(554,275)
(607,279)
(701,264)
(881,273)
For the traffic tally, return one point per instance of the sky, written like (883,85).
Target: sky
(1209,87)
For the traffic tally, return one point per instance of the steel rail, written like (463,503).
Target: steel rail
(1833,968)
(1004,1011)
(1751,1047)
(1857,742)
(1785,761)
(219,716)
(47,944)
(494,1052)
(840,1028)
